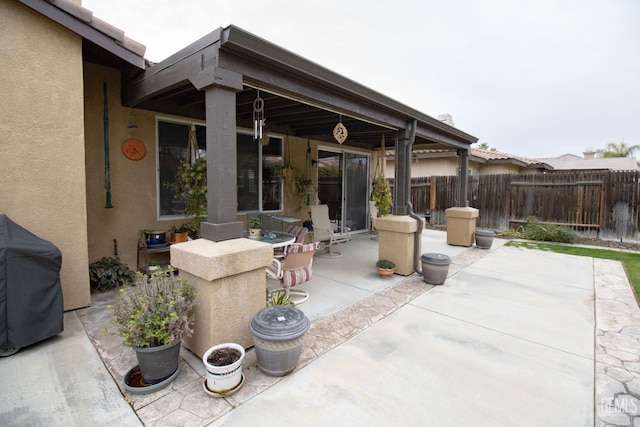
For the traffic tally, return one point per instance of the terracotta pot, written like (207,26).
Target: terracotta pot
(179,237)
(386,272)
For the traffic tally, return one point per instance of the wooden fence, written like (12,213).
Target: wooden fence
(603,203)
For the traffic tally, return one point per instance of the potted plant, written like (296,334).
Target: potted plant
(190,189)
(385,267)
(255,227)
(224,369)
(109,273)
(381,195)
(152,318)
(180,233)
(153,266)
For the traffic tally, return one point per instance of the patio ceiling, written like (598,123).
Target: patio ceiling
(300,97)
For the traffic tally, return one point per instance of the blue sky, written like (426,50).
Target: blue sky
(537,79)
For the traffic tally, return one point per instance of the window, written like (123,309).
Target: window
(259,174)
(172,149)
(259,168)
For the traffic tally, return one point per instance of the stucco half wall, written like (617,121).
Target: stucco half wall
(42,176)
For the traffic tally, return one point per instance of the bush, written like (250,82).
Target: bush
(535,230)
(109,273)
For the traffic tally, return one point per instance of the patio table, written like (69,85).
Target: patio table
(276,238)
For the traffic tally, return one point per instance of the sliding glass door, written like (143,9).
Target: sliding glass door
(343,185)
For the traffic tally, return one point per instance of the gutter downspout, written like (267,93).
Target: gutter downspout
(410,137)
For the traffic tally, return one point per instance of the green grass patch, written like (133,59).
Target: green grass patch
(630,260)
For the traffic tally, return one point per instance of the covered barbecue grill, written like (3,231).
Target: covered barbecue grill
(31,306)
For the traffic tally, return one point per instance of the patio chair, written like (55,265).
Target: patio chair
(294,270)
(324,231)
(373,214)
(301,237)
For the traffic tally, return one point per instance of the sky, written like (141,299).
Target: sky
(531,78)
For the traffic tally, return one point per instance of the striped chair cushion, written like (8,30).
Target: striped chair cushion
(291,278)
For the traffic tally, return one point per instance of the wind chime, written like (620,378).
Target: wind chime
(340,132)
(259,121)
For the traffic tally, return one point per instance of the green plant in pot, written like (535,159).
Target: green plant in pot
(109,273)
(381,195)
(255,227)
(190,189)
(385,267)
(152,317)
(180,233)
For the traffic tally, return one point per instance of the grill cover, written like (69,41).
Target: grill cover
(31,306)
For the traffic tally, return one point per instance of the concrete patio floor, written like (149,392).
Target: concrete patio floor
(513,337)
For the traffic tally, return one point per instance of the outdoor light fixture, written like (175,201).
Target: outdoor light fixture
(340,132)
(258,120)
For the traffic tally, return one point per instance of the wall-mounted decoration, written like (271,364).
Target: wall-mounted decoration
(134,149)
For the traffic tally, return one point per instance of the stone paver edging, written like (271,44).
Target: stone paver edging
(617,352)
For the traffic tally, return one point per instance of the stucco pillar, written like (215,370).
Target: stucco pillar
(396,235)
(230,282)
(461,225)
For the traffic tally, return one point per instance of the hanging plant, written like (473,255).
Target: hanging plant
(382,196)
(190,189)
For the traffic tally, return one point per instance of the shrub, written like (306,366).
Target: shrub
(109,273)
(535,230)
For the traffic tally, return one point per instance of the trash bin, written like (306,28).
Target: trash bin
(435,268)
(32,307)
(278,334)
(484,238)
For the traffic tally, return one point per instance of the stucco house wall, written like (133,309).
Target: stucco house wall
(42,138)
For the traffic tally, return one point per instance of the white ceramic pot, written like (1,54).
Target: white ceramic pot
(222,379)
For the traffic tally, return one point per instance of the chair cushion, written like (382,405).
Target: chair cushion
(292,278)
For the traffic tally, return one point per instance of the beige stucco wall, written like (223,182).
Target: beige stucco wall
(133,183)
(42,177)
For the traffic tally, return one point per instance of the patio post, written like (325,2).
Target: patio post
(220,86)
(463,167)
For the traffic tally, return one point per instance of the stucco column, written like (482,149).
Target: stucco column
(396,237)
(230,283)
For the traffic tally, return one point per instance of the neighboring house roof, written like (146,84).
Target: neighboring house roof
(98,36)
(482,156)
(488,156)
(573,162)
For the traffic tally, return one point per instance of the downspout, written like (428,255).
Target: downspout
(408,140)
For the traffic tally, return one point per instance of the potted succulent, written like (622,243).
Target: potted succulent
(385,267)
(255,227)
(152,317)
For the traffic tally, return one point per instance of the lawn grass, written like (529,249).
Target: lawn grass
(630,260)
